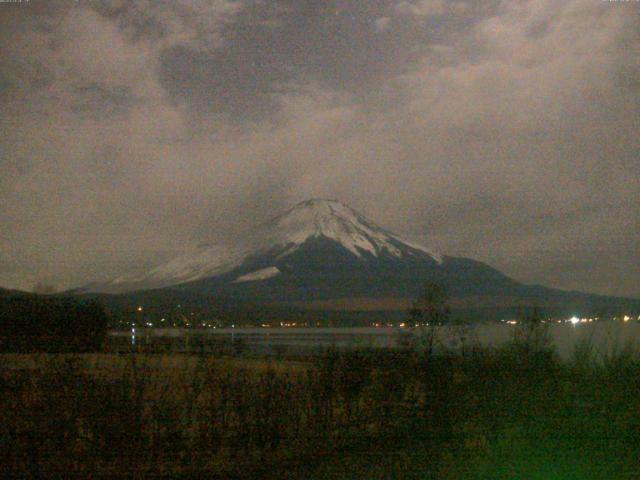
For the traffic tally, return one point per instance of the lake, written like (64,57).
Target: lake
(606,336)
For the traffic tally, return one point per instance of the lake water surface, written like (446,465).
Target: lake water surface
(606,337)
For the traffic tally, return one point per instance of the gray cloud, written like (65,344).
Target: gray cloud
(501,130)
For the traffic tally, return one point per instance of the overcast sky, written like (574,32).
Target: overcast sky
(505,131)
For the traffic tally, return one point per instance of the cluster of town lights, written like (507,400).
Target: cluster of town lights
(573,321)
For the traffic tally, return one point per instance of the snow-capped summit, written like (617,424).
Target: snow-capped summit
(335,221)
(273,242)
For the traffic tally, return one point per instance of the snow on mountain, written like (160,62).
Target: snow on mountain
(286,233)
(202,262)
(262,274)
(335,221)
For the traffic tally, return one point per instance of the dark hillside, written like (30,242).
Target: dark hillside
(30,322)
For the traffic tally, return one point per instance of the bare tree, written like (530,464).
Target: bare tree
(430,311)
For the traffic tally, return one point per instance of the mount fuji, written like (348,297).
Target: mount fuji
(323,255)
(296,236)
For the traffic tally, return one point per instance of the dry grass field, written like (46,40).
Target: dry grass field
(517,412)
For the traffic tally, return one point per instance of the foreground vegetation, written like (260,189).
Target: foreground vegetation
(514,413)
(36,323)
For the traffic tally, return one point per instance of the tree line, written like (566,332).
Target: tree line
(31,323)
